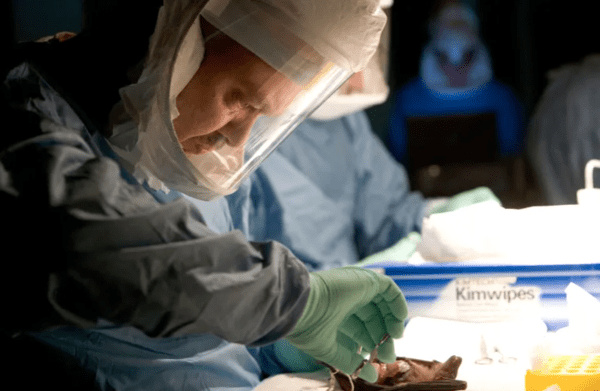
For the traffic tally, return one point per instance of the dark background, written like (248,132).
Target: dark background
(526,38)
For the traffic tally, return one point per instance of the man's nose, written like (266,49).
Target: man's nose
(238,130)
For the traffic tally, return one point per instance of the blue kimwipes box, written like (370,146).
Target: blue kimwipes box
(490,293)
(486,263)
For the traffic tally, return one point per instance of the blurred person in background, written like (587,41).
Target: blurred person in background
(456,77)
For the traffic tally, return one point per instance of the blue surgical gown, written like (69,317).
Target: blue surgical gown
(333,194)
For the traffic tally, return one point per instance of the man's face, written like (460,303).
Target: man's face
(231,88)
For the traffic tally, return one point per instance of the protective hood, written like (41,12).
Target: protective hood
(306,42)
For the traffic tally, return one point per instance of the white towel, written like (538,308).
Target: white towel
(488,233)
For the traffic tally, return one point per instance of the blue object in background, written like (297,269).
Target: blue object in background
(415,99)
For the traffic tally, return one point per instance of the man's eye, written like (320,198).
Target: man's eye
(235,100)
(238,101)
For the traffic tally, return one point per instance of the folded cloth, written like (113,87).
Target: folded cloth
(313,381)
(462,200)
(488,233)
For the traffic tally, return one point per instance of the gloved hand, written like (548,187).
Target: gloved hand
(466,198)
(400,251)
(349,308)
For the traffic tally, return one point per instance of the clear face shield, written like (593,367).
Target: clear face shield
(276,88)
(278,83)
(225,84)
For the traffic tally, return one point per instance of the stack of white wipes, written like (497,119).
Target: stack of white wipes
(488,233)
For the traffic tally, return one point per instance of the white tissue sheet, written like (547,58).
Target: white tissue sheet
(315,381)
(490,234)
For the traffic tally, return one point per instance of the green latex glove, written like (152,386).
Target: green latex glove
(466,198)
(349,308)
(400,251)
